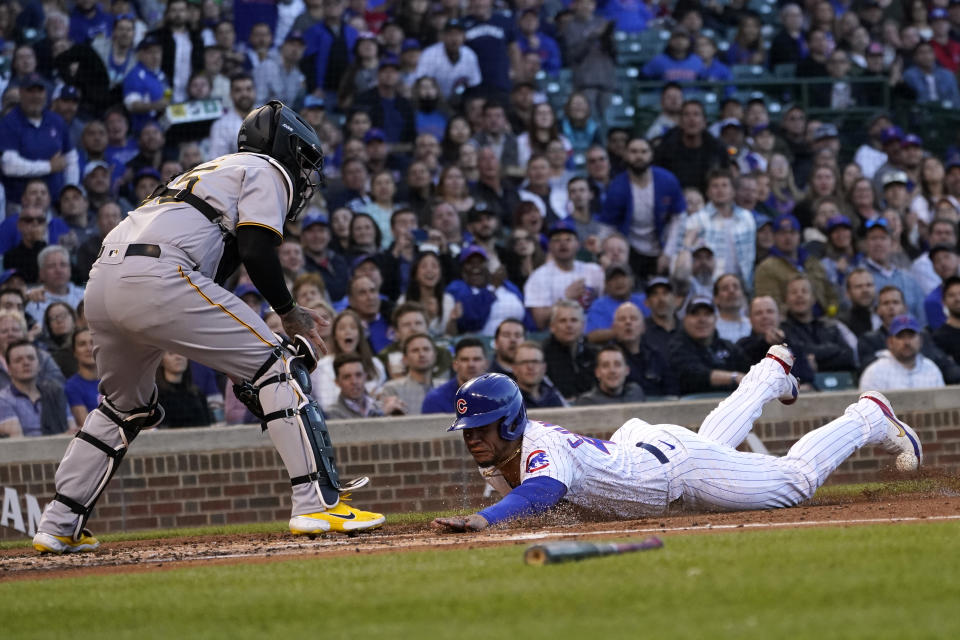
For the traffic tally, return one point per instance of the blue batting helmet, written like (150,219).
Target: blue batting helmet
(488,398)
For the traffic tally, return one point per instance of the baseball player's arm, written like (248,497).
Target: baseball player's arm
(263,267)
(533,496)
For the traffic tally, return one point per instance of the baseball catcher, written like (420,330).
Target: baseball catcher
(644,468)
(156,286)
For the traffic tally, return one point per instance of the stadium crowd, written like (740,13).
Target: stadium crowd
(486,207)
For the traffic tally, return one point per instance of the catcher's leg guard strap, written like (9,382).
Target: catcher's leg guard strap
(129,427)
(297,429)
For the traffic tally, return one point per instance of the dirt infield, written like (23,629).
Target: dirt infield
(940,500)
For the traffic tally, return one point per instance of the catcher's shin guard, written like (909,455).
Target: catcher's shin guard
(95,454)
(279,397)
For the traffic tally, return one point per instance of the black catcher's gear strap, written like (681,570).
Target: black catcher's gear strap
(255,247)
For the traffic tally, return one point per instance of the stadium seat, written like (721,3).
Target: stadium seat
(748,71)
(785,70)
(621,115)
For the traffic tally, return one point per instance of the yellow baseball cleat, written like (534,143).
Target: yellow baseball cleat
(342,518)
(49,543)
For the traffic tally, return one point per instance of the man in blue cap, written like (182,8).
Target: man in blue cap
(901,365)
(786,260)
(319,258)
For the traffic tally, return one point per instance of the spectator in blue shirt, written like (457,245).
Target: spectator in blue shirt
(931,82)
(82,388)
(713,70)
(35,194)
(88,20)
(329,50)
(644,221)
(531,38)
(35,142)
(630,16)
(494,40)
(677,63)
(146,89)
(618,289)
(469,361)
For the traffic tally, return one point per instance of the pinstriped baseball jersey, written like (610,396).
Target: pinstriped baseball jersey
(247,188)
(612,474)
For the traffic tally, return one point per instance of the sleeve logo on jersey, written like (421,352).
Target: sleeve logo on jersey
(537,460)
(461,406)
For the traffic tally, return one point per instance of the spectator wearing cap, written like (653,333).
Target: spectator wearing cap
(704,362)
(840,254)
(145,181)
(146,87)
(493,39)
(329,51)
(677,63)
(618,289)
(280,77)
(896,193)
(181,47)
(483,225)
(66,102)
(223,132)
(730,231)
(641,203)
(96,181)
(389,110)
(892,139)
(941,231)
(946,264)
(689,151)
(562,276)
(787,260)
(945,48)
(483,300)
(531,38)
(764,235)
(789,46)
(319,258)
(930,81)
(663,303)
(901,365)
(35,142)
(765,332)
(870,156)
(116,50)
(74,209)
(450,62)
(409,60)
(694,270)
(820,337)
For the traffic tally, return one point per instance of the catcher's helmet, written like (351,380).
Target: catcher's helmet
(488,398)
(279,132)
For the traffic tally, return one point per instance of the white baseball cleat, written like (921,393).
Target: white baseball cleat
(900,437)
(49,543)
(782,355)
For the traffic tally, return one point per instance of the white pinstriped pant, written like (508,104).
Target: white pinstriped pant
(714,475)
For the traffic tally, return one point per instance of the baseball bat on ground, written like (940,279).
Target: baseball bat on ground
(554,552)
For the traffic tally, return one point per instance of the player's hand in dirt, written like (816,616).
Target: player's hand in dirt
(473,522)
(304,321)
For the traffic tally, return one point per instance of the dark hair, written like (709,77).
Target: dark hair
(554,131)
(60,341)
(237,77)
(364,352)
(888,288)
(186,381)
(716,174)
(716,284)
(76,332)
(490,105)
(413,287)
(404,309)
(466,343)
(577,179)
(614,347)
(400,211)
(19,343)
(949,282)
(6,290)
(411,338)
(496,334)
(690,101)
(377,233)
(346,358)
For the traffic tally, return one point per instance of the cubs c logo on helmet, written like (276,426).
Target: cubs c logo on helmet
(461,406)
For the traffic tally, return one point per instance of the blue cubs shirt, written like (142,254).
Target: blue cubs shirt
(490,39)
(142,85)
(34,142)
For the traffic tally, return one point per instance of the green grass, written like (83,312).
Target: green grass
(874,582)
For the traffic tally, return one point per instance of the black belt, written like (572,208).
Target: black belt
(655,451)
(148,250)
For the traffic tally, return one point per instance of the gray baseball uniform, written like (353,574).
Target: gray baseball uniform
(138,306)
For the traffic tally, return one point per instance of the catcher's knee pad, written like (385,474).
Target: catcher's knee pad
(129,424)
(279,396)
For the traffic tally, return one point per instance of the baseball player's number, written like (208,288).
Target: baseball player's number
(578,439)
(189,180)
